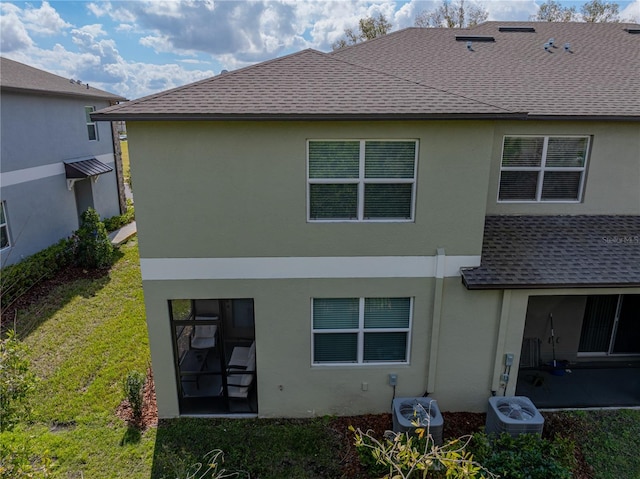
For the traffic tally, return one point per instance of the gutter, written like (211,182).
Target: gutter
(116,116)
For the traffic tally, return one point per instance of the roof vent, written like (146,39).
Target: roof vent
(470,46)
(632,31)
(547,47)
(567,47)
(474,38)
(552,41)
(517,29)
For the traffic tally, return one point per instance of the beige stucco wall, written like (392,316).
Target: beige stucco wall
(289,385)
(283,345)
(238,189)
(206,189)
(613,169)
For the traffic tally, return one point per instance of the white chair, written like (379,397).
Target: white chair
(204,337)
(240,356)
(239,379)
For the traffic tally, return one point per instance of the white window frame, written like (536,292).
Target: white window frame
(360,331)
(361,181)
(87,111)
(543,168)
(5,225)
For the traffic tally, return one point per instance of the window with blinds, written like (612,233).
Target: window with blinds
(361,330)
(543,168)
(361,180)
(92,128)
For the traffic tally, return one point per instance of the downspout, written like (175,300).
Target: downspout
(437,317)
(500,344)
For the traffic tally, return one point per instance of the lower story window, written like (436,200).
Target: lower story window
(4,228)
(361,330)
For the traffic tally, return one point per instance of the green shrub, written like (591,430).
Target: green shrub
(18,278)
(413,456)
(116,222)
(19,462)
(93,247)
(526,456)
(16,380)
(133,388)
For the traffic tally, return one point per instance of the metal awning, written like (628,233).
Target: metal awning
(85,168)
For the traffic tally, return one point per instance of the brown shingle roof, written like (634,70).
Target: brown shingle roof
(598,76)
(306,84)
(426,73)
(558,251)
(15,76)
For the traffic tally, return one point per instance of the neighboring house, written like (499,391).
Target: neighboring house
(55,161)
(416,205)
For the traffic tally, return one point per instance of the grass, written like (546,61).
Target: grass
(88,334)
(611,443)
(126,166)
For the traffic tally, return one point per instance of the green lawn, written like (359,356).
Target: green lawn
(126,166)
(88,334)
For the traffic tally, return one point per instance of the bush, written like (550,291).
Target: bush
(19,462)
(116,222)
(526,456)
(133,386)
(18,278)
(93,247)
(408,456)
(16,380)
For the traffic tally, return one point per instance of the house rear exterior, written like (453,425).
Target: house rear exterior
(420,205)
(56,161)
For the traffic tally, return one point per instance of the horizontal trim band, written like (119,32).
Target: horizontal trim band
(26,175)
(159,269)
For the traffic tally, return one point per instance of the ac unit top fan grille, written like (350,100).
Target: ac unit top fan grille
(514,410)
(513,415)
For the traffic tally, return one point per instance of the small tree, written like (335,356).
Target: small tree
(16,380)
(93,248)
(596,11)
(452,15)
(412,455)
(133,389)
(368,29)
(553,11)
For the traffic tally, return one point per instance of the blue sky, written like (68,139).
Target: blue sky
(138,47)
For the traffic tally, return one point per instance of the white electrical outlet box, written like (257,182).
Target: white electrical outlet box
(393,379)
(508,359)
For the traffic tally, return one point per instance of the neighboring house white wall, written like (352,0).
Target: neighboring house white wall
(39,133)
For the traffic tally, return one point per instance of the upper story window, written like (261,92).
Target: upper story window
(361,330)
(543,168)
(361,180)
(4,228)
(92,128)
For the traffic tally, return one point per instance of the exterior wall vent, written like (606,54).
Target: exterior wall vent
(517,29)
(474,38)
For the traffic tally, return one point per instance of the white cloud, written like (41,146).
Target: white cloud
(13,33)
(44,20)
(631,12)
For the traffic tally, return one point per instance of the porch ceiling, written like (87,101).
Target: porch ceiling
(558,252)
